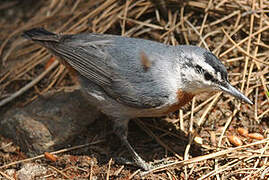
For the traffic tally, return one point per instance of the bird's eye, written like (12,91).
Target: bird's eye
(208,76)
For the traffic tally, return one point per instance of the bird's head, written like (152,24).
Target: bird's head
(202,71)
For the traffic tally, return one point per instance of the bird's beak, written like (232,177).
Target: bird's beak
(233,91)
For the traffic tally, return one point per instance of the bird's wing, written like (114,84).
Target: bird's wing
(90,62)
(121,76)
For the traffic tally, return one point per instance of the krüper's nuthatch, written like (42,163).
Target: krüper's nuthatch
(127,78)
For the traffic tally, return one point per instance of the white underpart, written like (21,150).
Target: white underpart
(97,96)
(173,79)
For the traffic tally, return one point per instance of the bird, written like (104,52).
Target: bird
(127,78)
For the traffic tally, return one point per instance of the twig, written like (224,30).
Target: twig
(206,157)
(195,30)
(149,132)
(6,176)
(55,152)
(242,41)
(29,85)
(242,50)
(108,170)
(61,172)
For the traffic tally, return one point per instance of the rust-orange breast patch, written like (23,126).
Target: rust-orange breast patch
(183,98)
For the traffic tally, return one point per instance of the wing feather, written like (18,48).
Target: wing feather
(93,62)
(112,62)
(88,64)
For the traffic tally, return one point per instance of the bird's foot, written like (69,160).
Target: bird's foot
(137,163)
(145,167)
(142,164)
(155,165)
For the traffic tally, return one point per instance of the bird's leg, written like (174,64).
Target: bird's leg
(121,130)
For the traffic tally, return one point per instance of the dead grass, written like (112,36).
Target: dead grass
(236,31)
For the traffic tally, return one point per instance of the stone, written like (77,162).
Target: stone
(31,171)
(49,123)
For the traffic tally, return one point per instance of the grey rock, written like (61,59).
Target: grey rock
(31,171)
(49,123)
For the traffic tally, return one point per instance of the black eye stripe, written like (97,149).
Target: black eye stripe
(207,75)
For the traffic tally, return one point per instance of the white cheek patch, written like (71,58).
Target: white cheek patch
(196,79)
(219,76)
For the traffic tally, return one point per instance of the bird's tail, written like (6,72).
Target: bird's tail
(40,34)
(49,40)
